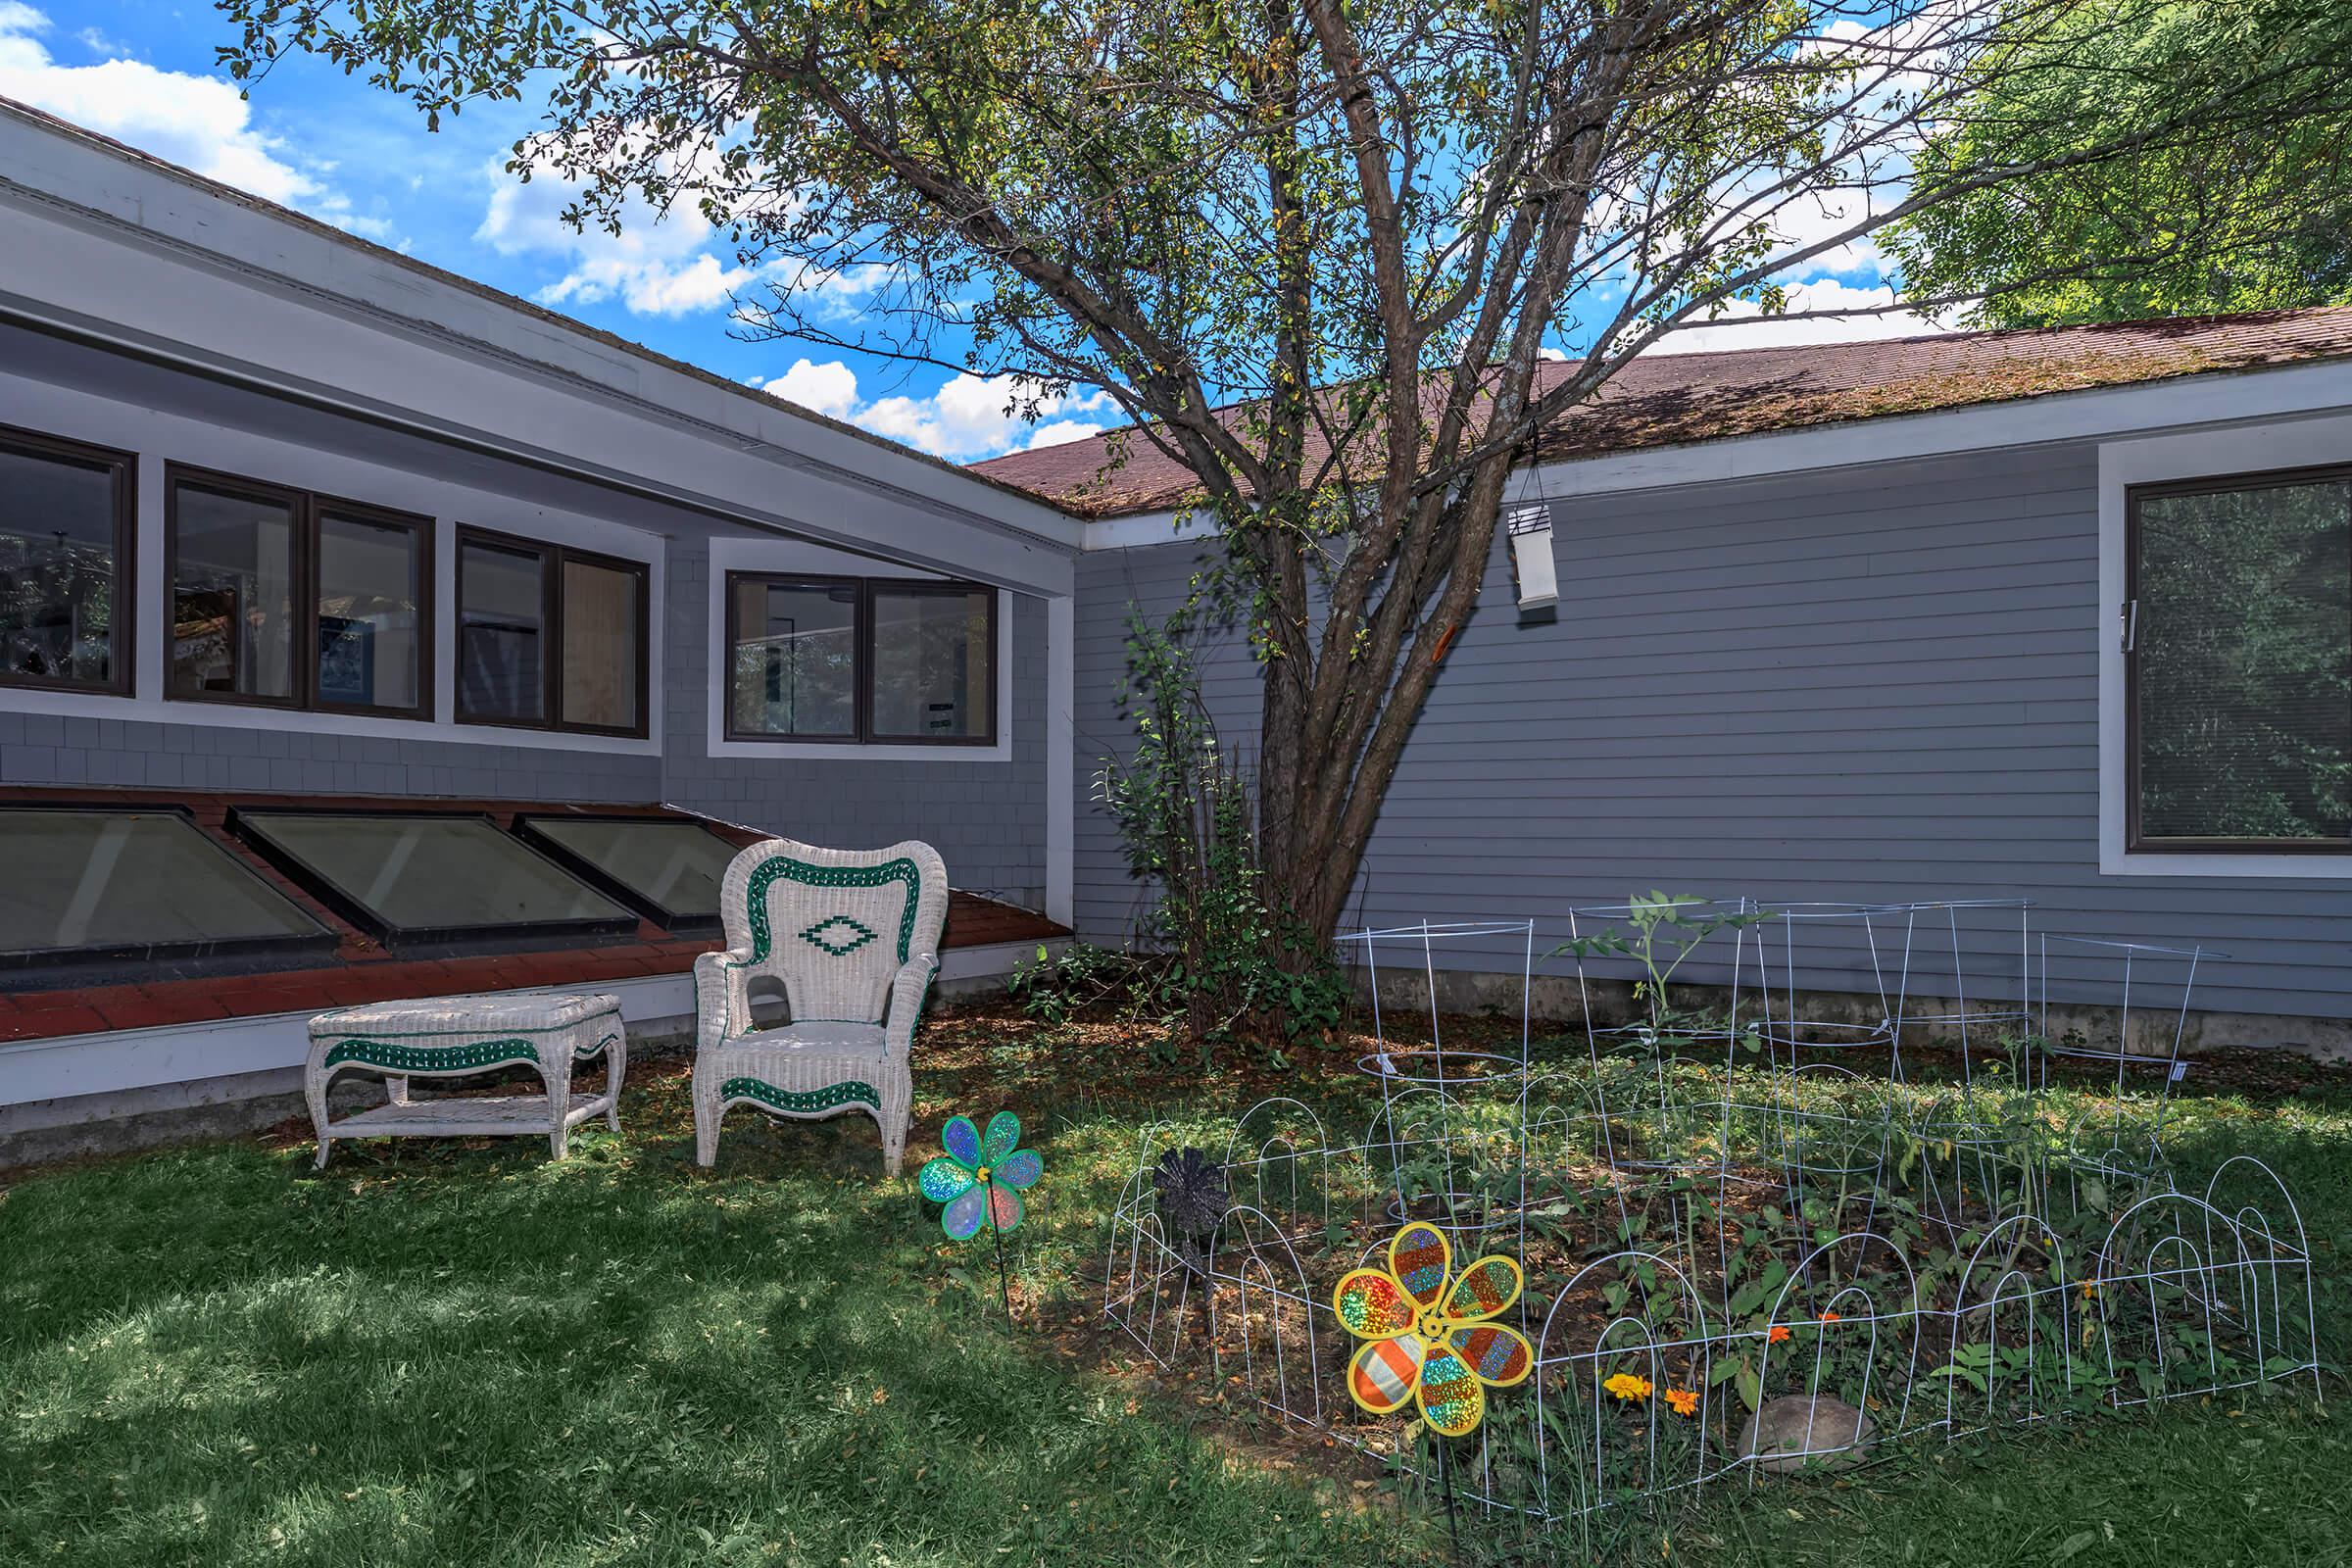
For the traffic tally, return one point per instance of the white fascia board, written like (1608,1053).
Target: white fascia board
(118,251)
(1148,528)
(2223,398)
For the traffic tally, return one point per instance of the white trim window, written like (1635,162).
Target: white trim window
(815,653)
(860,660)
(2230,689)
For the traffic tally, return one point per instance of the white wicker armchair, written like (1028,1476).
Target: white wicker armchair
(854,936)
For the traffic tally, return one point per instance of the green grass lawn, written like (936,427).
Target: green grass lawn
(444,1353)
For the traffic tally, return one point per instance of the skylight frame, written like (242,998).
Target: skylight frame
(321,940)
(512,936)
(527,828)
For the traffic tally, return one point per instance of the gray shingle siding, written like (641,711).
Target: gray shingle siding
(1866,684)
(986,818)
(288,760)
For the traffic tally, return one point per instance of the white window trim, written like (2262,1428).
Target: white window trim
(2300,443)
(733,556)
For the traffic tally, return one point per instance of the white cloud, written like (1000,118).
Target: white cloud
(196,122)
(654,265)
(830,389)
(1063,431)
(1743,326)
(969,417)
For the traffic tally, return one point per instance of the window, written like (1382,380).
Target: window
(668,870)
(66,553)
(2239,663)
(795,658)
(145,884)
(414,877)
(284,598)
(933,671)
(845,659)
(550,638)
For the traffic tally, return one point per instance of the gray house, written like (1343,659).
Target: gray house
(1968,620)
(332,584)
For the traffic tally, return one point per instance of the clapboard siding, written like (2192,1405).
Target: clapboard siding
(1872,684)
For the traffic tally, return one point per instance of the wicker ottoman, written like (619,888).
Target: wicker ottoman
(450,1036)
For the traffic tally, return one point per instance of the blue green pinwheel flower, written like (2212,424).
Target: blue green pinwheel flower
(980,1178)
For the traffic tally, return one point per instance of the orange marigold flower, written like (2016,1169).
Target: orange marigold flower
(1627,1387)
(1778,1333)
(1828,1317)
(1683,1400)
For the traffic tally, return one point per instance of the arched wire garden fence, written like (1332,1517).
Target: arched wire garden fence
(1750,1241)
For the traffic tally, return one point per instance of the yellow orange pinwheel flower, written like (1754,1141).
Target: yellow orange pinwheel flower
(1428,1331)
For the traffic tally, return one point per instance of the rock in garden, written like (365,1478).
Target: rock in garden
(1797,1430)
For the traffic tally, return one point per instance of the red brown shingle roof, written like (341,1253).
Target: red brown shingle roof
(1670,400)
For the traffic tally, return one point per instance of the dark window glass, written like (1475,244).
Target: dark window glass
(2241,663)
(550,637)
(233,579)
(503,633)
(105,881)
(284,598)
(65,549)
(795,663)
(602,653)
(430,878)
(371,631)
(673,869)
(844,658)
(933,665)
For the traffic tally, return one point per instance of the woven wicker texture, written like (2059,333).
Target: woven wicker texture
(456,1036)
(852,936)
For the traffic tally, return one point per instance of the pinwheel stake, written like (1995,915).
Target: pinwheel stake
(978,1182)
(1430,1336)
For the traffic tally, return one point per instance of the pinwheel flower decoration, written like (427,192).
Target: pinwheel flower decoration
(1192,1192)
(1429,1333)
(980,1177)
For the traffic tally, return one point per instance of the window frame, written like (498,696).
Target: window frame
(124,472)
(553,556)
(2135,841)
(321,941)
(308,507)
(529,936)
(529,828)
(863,642)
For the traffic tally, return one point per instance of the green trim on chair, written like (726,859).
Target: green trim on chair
(822,936)
(833,1096)
(754,896)
(473,1056)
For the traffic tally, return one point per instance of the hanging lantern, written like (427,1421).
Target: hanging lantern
(1530,531)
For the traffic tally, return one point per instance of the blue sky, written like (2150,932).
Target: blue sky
(336,148)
